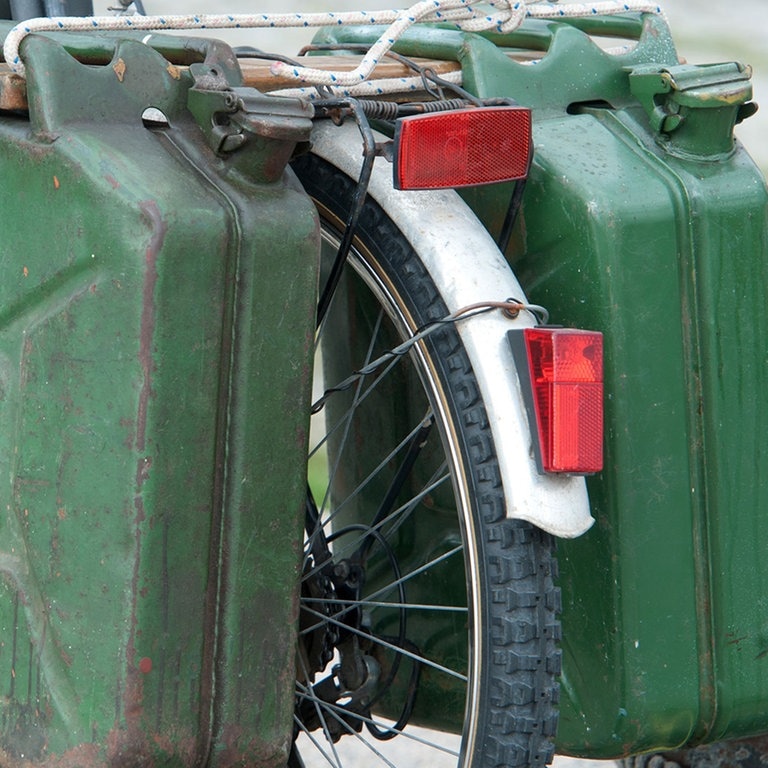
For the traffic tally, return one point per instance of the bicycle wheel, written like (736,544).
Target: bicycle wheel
(428,628)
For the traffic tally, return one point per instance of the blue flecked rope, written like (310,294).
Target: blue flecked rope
(505,16)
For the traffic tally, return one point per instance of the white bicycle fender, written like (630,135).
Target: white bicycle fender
(467,267)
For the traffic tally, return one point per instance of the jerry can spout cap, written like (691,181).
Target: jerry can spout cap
(694,108)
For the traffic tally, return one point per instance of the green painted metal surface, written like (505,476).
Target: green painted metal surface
(668,257)
(150,522)
(643,219)
(151,502)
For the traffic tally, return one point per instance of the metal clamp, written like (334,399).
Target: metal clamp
(229,115)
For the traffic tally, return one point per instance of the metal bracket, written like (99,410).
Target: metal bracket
(229,116)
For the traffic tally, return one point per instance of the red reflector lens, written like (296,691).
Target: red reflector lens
(566,368)
(462,148)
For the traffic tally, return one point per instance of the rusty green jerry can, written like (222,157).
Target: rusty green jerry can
(644,219)
(157,310)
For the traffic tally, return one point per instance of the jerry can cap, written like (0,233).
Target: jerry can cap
(693,108)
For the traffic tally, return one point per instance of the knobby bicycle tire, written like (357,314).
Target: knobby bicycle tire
(477,631)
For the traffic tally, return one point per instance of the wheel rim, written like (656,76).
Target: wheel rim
(333,632)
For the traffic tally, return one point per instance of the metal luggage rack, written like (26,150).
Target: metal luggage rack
(372,71)
(500,16)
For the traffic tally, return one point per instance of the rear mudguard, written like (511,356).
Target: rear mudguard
(467,267)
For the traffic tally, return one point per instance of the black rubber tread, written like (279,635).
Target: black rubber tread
(519,639)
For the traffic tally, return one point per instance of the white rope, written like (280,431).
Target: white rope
(369,88)
(504,16)
(541,10)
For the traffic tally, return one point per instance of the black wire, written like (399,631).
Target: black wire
(410,702)
(294,758)
(352,106)
(316,538)
(387,357)
(250,52)
(401,640)
(417,443)
(428,75)
(515,203)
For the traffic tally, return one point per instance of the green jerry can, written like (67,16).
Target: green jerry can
(158,309)
(145,473)
(647,220)
(643,218)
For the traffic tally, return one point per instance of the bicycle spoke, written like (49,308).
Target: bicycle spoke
(330,431)
(404,733)
(339,713)
(404,443)
(347,419)
(374,604)
(388,587)
(318,746)
(431,564)
(399,515)
(318,709)
(391,646)
(360,393)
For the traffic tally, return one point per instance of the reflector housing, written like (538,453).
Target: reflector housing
(561,374)
(482,145)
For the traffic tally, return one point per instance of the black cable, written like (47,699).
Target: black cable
(358,199)
(251,52)
(403,620)
(410,702)
(515,203)
(400,641)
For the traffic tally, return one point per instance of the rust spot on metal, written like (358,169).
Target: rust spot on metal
(142,471)
(239,750)
(130,437)
(147,330)
(119,67)
(88,755)
(133,693)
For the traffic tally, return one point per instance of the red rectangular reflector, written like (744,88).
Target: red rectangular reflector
(564,394)
(481,145)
